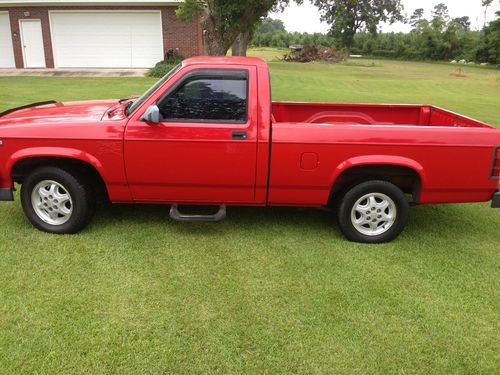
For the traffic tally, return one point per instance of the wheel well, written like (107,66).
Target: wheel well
(407,179)
(24,167)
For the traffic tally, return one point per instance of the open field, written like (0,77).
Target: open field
(268,290)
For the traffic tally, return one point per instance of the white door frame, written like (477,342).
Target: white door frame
(10,35)
(22,40)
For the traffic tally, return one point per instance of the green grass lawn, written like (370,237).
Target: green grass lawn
(268,290)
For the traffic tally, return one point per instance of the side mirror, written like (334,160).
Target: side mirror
(152,114)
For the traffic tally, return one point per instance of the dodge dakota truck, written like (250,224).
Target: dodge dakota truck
(208,134)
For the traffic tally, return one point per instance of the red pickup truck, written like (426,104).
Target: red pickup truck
(208,134)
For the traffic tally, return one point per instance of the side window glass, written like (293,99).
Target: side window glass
(207,98)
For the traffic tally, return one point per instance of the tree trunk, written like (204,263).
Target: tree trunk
(215,44)
(240,45)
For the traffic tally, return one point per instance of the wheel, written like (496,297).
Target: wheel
(56,201)
(373,212)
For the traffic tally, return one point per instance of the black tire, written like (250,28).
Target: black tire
(81,207)
(389,229)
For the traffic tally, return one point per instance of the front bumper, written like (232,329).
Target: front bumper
(495,202)
(6,195)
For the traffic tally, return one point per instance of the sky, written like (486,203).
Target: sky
(306,18)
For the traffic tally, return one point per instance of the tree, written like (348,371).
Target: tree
(417,17)
(265,25)
(347,17)
(486,4)
(240,44)
(441,10)
(440,17)
(224,21)
(461,23)
(489,50)
(269,25)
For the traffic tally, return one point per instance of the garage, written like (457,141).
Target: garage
(106,39)
(6,51)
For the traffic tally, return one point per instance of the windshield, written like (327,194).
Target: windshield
(131,108)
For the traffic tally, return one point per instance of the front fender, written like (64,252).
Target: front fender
(56,152)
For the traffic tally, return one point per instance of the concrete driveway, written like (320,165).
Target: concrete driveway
(74,72)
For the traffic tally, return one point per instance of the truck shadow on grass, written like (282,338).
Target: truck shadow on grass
(238,218)
(443,220)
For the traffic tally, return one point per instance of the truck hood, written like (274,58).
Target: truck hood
(87,111)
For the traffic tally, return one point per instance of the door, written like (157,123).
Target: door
(205,147)
(6,51)
(106,39)
(32,43)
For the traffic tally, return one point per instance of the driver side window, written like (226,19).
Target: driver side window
(208,96)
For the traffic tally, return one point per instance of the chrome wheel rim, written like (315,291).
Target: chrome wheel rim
(51,202)
(373,214)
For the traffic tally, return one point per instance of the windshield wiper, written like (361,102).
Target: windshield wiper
(125,99)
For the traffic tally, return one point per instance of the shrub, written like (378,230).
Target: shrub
(160,69)
(171,59)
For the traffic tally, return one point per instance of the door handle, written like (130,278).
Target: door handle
(241,135)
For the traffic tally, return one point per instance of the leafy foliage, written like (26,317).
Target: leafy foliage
(224,20)
(347,17)
(160,69)
(440,11)
(269,25)
(286,39)
(489,49)
(417,17)
(434,39)
(172,58)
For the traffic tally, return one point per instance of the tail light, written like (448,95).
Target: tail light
(495,170)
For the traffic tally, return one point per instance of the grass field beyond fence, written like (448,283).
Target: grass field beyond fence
(273,290)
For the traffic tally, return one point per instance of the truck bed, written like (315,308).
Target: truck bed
(371,114)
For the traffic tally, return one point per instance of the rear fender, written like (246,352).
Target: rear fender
(379,160)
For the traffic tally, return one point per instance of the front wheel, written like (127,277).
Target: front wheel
(56,201)
(373,212)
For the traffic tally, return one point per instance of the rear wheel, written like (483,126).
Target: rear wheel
(373,212)
(56,201)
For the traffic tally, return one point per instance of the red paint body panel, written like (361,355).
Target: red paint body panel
(450,169)
(198,162)
(293,154)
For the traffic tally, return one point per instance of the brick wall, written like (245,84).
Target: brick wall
(187,37)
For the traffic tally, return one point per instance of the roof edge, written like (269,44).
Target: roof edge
(41,3)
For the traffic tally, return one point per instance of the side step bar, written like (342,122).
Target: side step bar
(176,215)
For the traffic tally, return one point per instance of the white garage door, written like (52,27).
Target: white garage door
(6,51)
(106,39)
